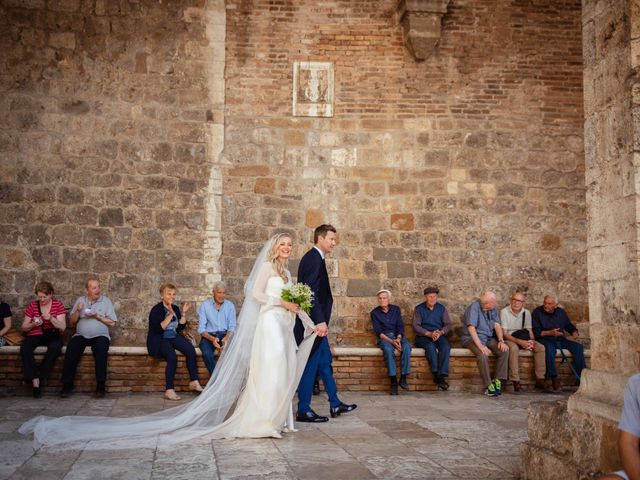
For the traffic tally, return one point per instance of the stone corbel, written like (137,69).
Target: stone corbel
(421,22)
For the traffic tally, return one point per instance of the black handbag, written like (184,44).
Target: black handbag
(49,334)
(523,333)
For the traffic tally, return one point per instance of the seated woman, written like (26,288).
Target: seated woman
(5,322)
(44,322)
(164,337)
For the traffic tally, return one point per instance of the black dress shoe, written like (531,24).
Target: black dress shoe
(442,383)
(100,390)
(311,417)
(66,391)
(342,408)
(37,392)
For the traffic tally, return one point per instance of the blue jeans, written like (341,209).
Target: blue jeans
(208,350)
(319,363)
(168,351)
(437,354)
(550,345)
(389,356)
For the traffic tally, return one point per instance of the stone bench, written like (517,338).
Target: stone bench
(131,369)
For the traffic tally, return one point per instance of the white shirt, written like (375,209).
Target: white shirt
(511,322)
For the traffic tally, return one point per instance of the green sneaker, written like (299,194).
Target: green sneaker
(491,390)
(498,386)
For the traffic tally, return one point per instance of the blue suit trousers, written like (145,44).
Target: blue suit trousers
(319,363)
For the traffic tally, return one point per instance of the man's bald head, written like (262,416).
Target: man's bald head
(488,300)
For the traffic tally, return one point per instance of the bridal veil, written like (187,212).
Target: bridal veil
(198,418)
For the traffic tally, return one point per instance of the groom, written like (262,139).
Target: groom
(313,271)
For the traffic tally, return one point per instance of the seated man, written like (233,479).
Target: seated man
(431,323)
(480,323)
(387,324)
(217,322)
(629,436)
(549,324)
(515,318)
(92,315)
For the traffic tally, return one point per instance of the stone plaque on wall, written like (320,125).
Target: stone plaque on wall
(313,89)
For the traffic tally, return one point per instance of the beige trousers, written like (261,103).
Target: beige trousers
(538,359)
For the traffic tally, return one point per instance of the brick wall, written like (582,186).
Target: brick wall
(465,170)
(137,372)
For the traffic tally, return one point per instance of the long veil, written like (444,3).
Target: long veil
(198,418)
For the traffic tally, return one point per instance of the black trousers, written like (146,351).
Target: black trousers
(75,349)
(28,346)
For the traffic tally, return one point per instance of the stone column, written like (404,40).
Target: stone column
(216,34)
(580,438)
(612,140)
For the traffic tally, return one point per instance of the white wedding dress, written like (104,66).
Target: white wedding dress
(265,402)
(249,394)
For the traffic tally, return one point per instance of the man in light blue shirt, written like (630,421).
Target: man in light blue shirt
(481,323)
(216,325)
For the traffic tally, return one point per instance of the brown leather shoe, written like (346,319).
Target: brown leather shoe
(555,383)
(539,384)
(516,386)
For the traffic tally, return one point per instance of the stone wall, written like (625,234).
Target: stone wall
(111,119)
(465,170)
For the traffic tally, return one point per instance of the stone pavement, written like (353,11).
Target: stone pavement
(414,435)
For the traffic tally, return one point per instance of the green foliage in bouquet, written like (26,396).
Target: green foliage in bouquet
(300,294)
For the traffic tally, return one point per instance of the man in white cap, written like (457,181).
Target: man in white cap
(387,323)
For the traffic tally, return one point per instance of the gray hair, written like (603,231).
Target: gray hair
(488,294)
(219,286)
(552,295)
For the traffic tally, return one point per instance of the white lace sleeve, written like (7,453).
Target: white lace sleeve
(259,288)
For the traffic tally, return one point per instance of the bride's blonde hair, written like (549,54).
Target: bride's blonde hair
(280,268)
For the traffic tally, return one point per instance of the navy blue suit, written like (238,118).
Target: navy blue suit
(313,272)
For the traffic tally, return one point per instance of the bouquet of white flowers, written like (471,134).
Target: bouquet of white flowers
(300,294)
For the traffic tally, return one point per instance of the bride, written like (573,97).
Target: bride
(258,374)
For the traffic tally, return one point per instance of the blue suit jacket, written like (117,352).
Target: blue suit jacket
(154,336)
(313,272)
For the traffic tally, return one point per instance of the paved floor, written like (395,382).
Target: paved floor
(442,435)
